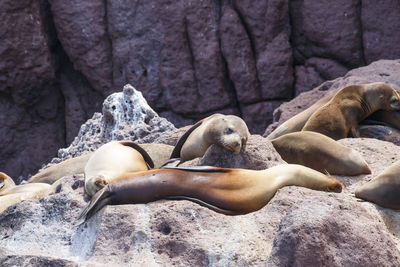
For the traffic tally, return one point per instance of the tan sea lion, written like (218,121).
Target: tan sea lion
(384,189)
(5,182)
(18,193)
(113,159)
(349,106)
(320,153)
(297,122)
(228,191)
(67,167)
(228,131)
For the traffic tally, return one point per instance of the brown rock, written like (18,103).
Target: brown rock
(334,231)
(328,29)
(236,49)
(82,30)
(26,71)
(381,30)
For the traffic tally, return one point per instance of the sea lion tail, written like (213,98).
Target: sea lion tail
(99,200)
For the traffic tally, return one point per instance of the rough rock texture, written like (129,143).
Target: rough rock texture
(257,154)
(298,227)
(125,116)
(379,71)
(189,58)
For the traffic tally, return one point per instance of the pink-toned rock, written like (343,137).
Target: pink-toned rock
(26,71)
(236,49)
(268,26)
(327,29)
(381,30)
(257,116)
(335,231)
(82,30)
(257,154)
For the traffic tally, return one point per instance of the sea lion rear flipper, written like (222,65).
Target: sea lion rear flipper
(145,155)
(176,153)
(99,200)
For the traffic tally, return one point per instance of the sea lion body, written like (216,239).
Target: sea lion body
(111,160)
(384,189)
(320,153)
(297,122)
(6,182)
(349,106)
(228,191)
(19,193)
(228,131)
(159,153)
(67,167)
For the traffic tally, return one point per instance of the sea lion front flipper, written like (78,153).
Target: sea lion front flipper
(176,153)
(354,132)
(145,155)
(99,200)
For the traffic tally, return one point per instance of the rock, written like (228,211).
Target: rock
(125,116)
(26,71)
(381,30)
(82,30)
(257,123)
(330,231)
(327,29)
(257,154)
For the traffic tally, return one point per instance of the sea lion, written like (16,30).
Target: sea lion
(349,106)
(228,191)
(228,131)
(297,122)
(5,182)
(113,159)
(320,153)
(159,153)
(18,193)
(384,189)
(391,117)
(67,167)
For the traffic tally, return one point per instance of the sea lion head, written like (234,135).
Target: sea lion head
(230,132)
(384,96)
(94,184)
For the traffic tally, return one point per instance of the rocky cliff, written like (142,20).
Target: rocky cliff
(61,59)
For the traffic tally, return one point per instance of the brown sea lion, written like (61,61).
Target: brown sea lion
(320,153)
(384,189)
(391,117)
(228,191)
(6,182)
(67,167)
(113,159)
(349,106)
(228,131)
(297,122)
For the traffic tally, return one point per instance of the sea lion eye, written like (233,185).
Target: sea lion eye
(228,131)
(393,100)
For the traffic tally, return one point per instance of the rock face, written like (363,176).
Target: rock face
(61,59)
